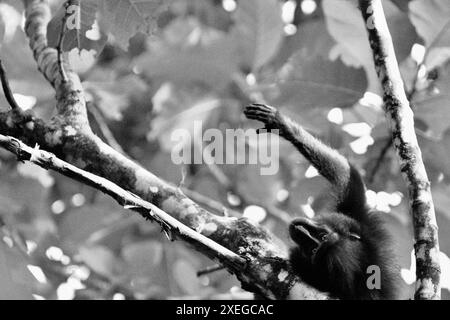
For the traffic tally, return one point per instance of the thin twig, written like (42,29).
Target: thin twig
(210,269)
(104,128)
(130,201)
(60,48)
(380,159)
(7,89)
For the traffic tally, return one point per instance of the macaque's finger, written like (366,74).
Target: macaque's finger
(259,117)
(262,106)
(259,107)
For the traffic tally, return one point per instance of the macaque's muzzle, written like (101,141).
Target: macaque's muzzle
(309,233)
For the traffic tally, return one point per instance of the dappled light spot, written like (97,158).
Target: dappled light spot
(308,6)
(255,213)
(58,207)
(229,5)
(37,273)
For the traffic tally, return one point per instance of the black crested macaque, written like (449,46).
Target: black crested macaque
(333,251)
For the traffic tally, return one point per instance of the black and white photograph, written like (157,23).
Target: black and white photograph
(216,158)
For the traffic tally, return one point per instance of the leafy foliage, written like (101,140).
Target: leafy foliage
(205,61)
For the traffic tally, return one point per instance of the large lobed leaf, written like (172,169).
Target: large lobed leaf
(259,31)
(431,18)
(191,54)
(314,82)
(125,18)
(15,279)
(76,38)
(433,107)
(345,24)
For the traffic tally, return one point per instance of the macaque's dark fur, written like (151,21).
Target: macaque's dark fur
(334,253)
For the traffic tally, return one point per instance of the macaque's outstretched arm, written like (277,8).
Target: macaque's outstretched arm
(346,180)
(335,251)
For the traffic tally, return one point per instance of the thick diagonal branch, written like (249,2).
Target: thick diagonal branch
(268,271)
(401,122)
(70,138)
(128,200)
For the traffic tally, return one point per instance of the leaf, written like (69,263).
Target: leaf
(142,255)
(10,21)
(73,37)
(191,54)
(77,224)
(100,259)
(180,110)
(433,108)
(125,18)
(2,29)
(431,19)
(435,154)
(113,97)
(15,279)
(305,188)
(24,204)
(186,276)
(259,31)
(30,170)
(441,199)
(314,82)
(351,36)
(312,39)
(146,267)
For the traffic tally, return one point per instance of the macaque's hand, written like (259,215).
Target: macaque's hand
(268,115)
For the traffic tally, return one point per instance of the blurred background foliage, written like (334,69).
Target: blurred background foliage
(206,60)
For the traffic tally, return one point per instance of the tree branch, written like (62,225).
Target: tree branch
(401,121)
(71,104)
(70,138)
(6,88)
(126,199)
(268,272)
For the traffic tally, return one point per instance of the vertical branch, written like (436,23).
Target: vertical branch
(401,122)
(71,104)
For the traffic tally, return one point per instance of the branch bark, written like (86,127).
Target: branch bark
(71,104)
(70,138)
(126,199)
(401,122)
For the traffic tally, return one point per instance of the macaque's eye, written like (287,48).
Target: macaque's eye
(354,236)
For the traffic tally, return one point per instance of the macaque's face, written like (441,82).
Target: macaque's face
(334,238)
